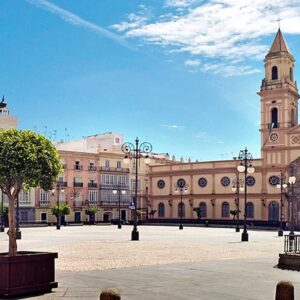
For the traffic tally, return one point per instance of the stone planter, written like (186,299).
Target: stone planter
(289,262)
(27,273)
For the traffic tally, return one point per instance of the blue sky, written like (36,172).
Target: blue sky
(181,74)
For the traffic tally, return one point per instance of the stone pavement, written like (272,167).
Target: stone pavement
(195,263)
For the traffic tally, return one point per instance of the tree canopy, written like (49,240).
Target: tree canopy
(61,209)
(27,159)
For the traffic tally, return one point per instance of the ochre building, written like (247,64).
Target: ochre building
(212,187)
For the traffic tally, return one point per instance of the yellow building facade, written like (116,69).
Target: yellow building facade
(209,185)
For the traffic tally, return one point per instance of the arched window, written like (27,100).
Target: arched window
(274,73)
(291,74)
(181,210)
(293,123)
(161,210)
(202,207)
(250,210)
(273,211)
(225,210)
(274,117)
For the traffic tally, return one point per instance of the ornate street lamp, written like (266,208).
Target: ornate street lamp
(245,167)
(292,180)
(181,186)
(237,187)
(119,192)
(136,151)
(59,189)
(281,185)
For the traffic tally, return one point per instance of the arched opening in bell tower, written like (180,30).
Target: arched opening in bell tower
(274,117)
(291,74)
(274,73)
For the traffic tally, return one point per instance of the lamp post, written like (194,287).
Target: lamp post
(182,187)
(58,190)
(292,180)
(136,151)
(119,192)
(18,231)
(282,185)
(2,213)
(245,167)
(238,185)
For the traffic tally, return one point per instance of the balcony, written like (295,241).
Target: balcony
(92,185)
(92,168)
(78,167)
(44,203)
(78,203)
(120,170)
(114,203)
(78,184)
(61,184)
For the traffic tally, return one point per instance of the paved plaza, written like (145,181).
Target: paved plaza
(166,263)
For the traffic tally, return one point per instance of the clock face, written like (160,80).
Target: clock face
(273,137)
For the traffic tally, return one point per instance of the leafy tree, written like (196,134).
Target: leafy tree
(27,159)
(234,213)
(198,212)
(91,211)
(61,210)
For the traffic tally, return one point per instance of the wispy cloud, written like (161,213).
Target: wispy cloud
(223,33)
(173,126)
(192,63)
(204,137)
(75,20)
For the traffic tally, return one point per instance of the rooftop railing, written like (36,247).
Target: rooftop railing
(292,244)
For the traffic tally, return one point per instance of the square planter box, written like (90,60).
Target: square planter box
(289,261)
(27,273)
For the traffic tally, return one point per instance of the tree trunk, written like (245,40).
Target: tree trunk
(12,228)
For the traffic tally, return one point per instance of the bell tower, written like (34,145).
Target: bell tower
(279,101)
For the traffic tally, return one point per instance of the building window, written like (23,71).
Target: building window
(119,164)
(250,180)
(160,184)
(225,210)
(273,211)
(274,117)
(225,181)
(291,74)
(44,217)
(202,208)
(202,182)
(181,210)
(24,197)
(274,180)
(117,140)
(93,197)
(250,210)
(161,210)
(77,165)
(44,197)
(133,185)
(107,164)
(274,73)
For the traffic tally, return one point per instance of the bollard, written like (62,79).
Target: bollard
(110,294)
(284,291)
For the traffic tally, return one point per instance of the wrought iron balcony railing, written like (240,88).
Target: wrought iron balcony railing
(78,184)
(92,185)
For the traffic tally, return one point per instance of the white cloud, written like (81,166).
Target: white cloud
(75,20)
(192,63)
(223,32)
(204,137)
(173,126)
(179,3)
